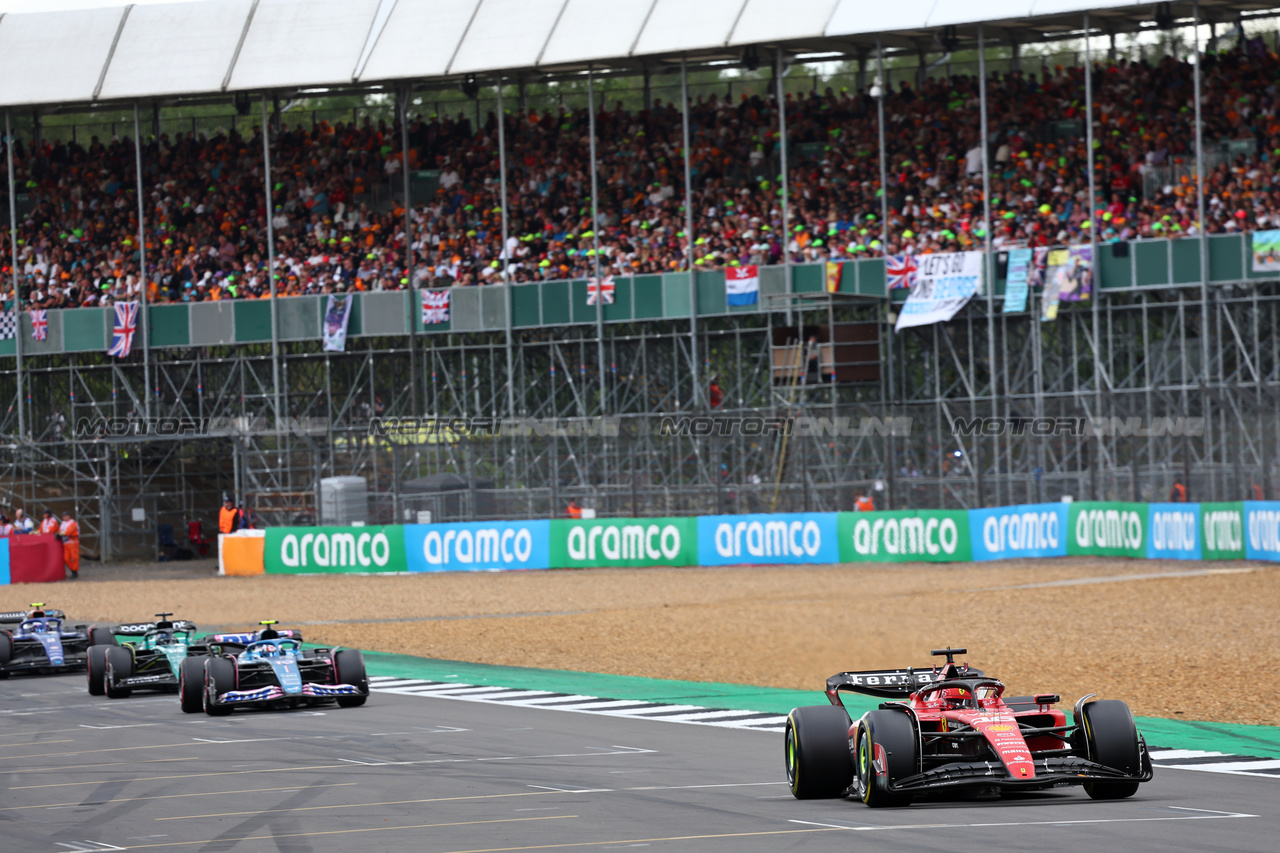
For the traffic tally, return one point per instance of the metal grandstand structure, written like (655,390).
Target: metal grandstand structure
(1177,329)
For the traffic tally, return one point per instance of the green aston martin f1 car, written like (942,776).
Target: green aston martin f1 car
(150,662)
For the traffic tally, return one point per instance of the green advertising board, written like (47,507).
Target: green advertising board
(1222,531)
(937,536)
(332,550)
(1107,529)
(624,542)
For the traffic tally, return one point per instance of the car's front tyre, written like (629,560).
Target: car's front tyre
(1112,738)
(219,678)
(884,752)
(96,669)
(191,685)
(119,665)
(348,668)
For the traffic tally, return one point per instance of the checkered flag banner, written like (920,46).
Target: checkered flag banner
(8,325)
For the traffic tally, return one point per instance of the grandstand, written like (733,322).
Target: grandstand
(791,169)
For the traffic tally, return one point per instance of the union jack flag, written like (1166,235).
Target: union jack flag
(605,291)
(126,325)
(899,271)
(435,307)
(39,323)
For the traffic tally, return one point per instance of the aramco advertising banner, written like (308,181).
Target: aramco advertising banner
(321,550)
(939,536)
(624,542)
(1173,531)
(1108,529)
(1222,531)
(1029,530)
(1262,530)
(777,539)
(477,546)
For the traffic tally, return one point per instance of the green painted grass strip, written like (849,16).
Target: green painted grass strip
(1232,738)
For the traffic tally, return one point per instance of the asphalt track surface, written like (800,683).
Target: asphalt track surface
(409,773)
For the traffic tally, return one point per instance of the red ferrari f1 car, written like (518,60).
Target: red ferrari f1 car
(953,728)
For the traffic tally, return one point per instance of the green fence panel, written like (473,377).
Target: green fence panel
(675,295)
(334,550)
(582,312)
(464,309)
(299,318)
(1107,529)
(1222,531)
(1227,258)
(1151,262)
(253,320)
(555,303)
(871,280)
(86,329)
(1114,273)
(773,282)
(493,307)
(383,313)
(621,308)
(526,305)
(169,325)
(8,346)
(355,323)
(808,278)
(1186,261)
(213,323)
(935,536)
(624,542)
(711,298)
(646,296)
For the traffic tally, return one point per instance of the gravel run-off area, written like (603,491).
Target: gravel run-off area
(1174,639)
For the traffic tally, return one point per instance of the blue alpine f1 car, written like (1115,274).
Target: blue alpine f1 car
(38,642)
(269,669)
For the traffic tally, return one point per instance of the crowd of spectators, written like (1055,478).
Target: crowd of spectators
(338,228)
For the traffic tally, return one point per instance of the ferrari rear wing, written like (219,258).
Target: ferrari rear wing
(886,683)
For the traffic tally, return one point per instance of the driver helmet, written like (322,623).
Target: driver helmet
(954,697)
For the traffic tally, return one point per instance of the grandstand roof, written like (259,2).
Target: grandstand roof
(174,50)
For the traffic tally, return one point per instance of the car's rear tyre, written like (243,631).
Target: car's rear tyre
(219,678)
(348,666)
(895,734)
(191,685)
(6,653)
(119,664)
(102,636)
(1112,739)
(96,669)
(817,752)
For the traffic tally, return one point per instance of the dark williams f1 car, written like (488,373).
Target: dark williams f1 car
(38,642)
(951,728)
(270,669)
